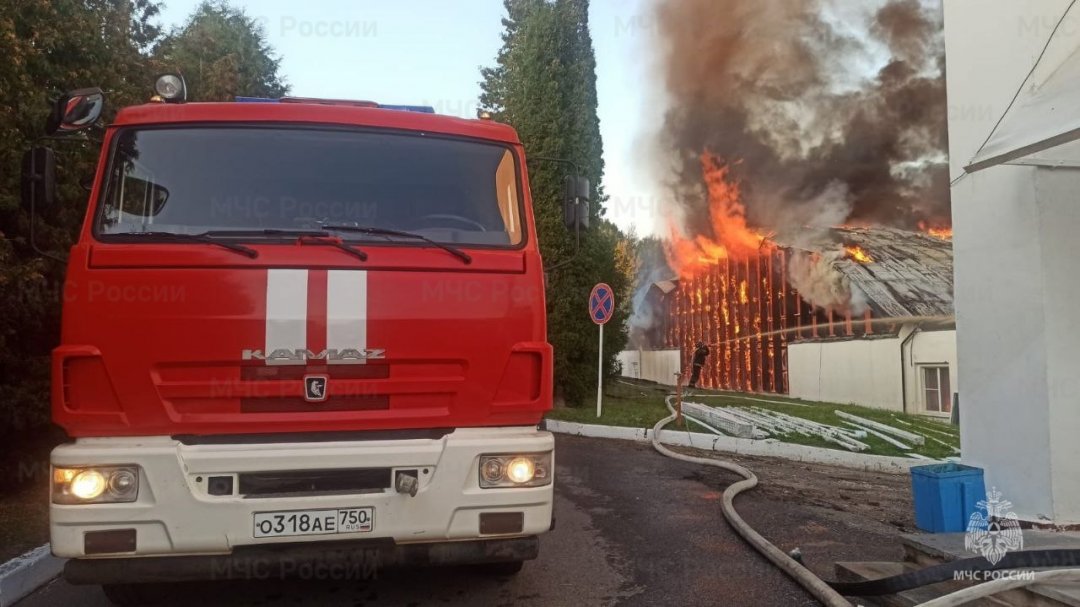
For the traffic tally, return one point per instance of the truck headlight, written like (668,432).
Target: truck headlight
(97,485)
(520,470)
(515,470)
(88,485)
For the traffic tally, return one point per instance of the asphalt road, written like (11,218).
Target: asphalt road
(633,529)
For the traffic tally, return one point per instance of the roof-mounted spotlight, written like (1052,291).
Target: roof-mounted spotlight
(171,88)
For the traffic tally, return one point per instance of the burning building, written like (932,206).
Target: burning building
(887,340)
(830,113)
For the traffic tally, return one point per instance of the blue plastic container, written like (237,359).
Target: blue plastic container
(945,496)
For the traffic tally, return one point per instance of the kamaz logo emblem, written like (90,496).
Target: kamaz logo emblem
(303,354)
(315,388)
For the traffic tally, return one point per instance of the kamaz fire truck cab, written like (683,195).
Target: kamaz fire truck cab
(298,331)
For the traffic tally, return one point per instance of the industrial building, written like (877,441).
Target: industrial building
(889,340)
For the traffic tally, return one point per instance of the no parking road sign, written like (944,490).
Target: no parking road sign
(601,309)
(601,304)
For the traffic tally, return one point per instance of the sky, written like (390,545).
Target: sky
(429,52)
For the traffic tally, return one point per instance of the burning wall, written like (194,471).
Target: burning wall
(749,308)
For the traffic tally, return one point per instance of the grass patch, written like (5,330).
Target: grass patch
(631,406)
(642,405)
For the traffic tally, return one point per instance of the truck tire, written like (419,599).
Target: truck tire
(502,569)
(134,595)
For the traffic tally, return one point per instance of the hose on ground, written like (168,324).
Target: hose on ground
(824,592)
(1021,559)
(986,589)
(803,576)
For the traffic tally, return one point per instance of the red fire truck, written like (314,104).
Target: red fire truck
(297,334)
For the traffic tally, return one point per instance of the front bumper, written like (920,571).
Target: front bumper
(175,515)
(311,561)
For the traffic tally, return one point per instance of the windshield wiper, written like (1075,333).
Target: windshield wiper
(205,238)
(456,252)
(316,237)
(328,240)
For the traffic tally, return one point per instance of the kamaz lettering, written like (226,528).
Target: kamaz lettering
(303,354)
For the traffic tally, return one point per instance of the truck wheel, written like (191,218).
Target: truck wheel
(134,595)
(502,569)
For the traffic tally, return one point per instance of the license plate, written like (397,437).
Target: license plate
(314,522)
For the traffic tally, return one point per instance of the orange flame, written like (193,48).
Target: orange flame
(858,254)
(942,232)
(731,236)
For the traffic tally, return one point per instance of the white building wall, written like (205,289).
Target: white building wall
(1059,222)
(1015,255)
(860,371)
(658,366)
(868,372)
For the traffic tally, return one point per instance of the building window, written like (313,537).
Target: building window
(937,394)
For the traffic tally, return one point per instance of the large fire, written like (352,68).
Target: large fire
(734,295)
(731,236)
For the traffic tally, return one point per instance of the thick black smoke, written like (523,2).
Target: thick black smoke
(832,111)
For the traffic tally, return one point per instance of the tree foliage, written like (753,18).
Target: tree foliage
(222,52)
(51,46)
(544,84)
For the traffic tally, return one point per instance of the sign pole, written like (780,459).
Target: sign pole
(600,375)
(601,309)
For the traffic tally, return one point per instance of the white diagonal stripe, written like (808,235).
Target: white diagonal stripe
(346,311)
(286,312)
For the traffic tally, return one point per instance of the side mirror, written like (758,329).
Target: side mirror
(75,111)
(143,197)
(577,193)
(39,178)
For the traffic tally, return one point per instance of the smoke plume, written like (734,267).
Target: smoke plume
(817,280)
(805,99)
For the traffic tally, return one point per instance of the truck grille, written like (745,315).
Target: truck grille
(314,482)
(299,405)
(293,372)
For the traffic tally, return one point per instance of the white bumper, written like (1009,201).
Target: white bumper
(175,515)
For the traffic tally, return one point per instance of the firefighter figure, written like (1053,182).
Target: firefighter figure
(700,354)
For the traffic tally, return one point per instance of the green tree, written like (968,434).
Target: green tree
(544,84)
(222,52)
(50,46)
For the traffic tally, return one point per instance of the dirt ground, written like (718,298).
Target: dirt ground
(854,495)
(831,514)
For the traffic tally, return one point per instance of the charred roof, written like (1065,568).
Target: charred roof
(903,274)
(908,274)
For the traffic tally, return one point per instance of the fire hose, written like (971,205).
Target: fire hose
(832,594)
(812,583)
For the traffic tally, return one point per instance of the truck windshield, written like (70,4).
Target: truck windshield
(236,179)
